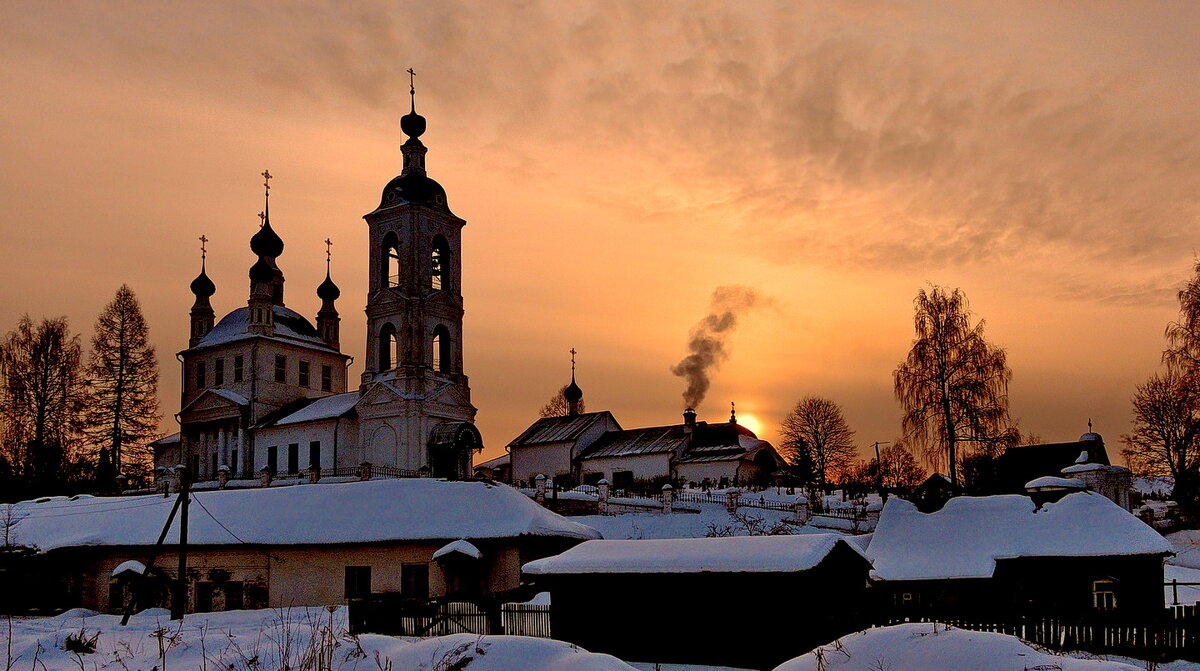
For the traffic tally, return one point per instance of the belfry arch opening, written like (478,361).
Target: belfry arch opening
(441,349)
(390,261)
(439,263)
(389,348)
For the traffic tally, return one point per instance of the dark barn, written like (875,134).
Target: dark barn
(749,602)
(1003,557)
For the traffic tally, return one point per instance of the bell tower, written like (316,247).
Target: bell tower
(414,315)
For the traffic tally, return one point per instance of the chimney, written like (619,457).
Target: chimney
(689,419)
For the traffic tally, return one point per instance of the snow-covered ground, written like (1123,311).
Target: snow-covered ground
(928,647)
(1186,546)
(261,640)
(711,518)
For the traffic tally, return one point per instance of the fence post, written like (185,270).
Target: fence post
(364,470)
(602,499)
(1174,591)
(314,474)
(539,489)
(731,500)
(264,476)
(222,476)
(668,498)
(800,510)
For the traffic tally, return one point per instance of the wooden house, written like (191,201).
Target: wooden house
(307,544)
(1003,556)
(696,600)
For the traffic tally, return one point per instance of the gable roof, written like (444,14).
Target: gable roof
(742,554)
(706,442)
(351,512)
(313,410)
(563,429)
(966,537)
(224,394)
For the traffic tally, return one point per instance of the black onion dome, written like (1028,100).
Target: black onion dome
(262,272)
(328,291)
(266,242)
(572,392)
(412,124)
(203,287)
(414,188)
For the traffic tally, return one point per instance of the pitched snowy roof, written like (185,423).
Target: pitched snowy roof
(744,554)
(325,407)
(354,512)
(501,460)
(290,326)
(966,537)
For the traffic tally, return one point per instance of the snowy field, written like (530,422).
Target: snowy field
(311,639)
(268,640)
(712,517)
(928,647)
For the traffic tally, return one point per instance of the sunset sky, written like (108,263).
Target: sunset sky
(618,161)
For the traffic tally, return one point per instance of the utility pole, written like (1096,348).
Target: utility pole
(879,470)
(179,598)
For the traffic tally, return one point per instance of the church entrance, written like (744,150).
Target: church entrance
(451,445)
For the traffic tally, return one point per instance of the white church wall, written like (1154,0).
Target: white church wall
(643,466)
(548,460)
(713,470)
(301,435)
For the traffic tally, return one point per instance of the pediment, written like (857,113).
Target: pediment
(378,393)
(210,400)
(449,394)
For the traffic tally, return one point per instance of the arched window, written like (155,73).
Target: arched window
(389,348)
(390,261)
(439,263)
(441,349)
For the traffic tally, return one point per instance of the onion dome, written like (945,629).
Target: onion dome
(266,242)
(572,392)
(262,272)
(412,124)
(203,287)
(328,291)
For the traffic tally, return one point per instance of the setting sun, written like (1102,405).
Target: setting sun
(750,422)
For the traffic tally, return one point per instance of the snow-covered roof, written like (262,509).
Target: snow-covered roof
(132,565)
(1051,481)
(353,512)
(459,546)
(966,537)
(744,554)
(325,407)
(499,461)
(290,326)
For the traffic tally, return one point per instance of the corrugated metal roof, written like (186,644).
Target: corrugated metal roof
(650,440)
(560,429)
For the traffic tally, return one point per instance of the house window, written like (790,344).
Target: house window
(235,594)
(116,596)
(294,458)
(1104,594)
(414,581)
(908,599)
(622,479)
(273,459)
(326,378)
(199,374)
(314,454)
(358,582)
(280,368)
(303,373)
(237,368)
(204,596)
(219,372)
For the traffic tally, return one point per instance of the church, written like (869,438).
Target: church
(266,389)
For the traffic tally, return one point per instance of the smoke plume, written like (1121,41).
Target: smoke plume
(708,340)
